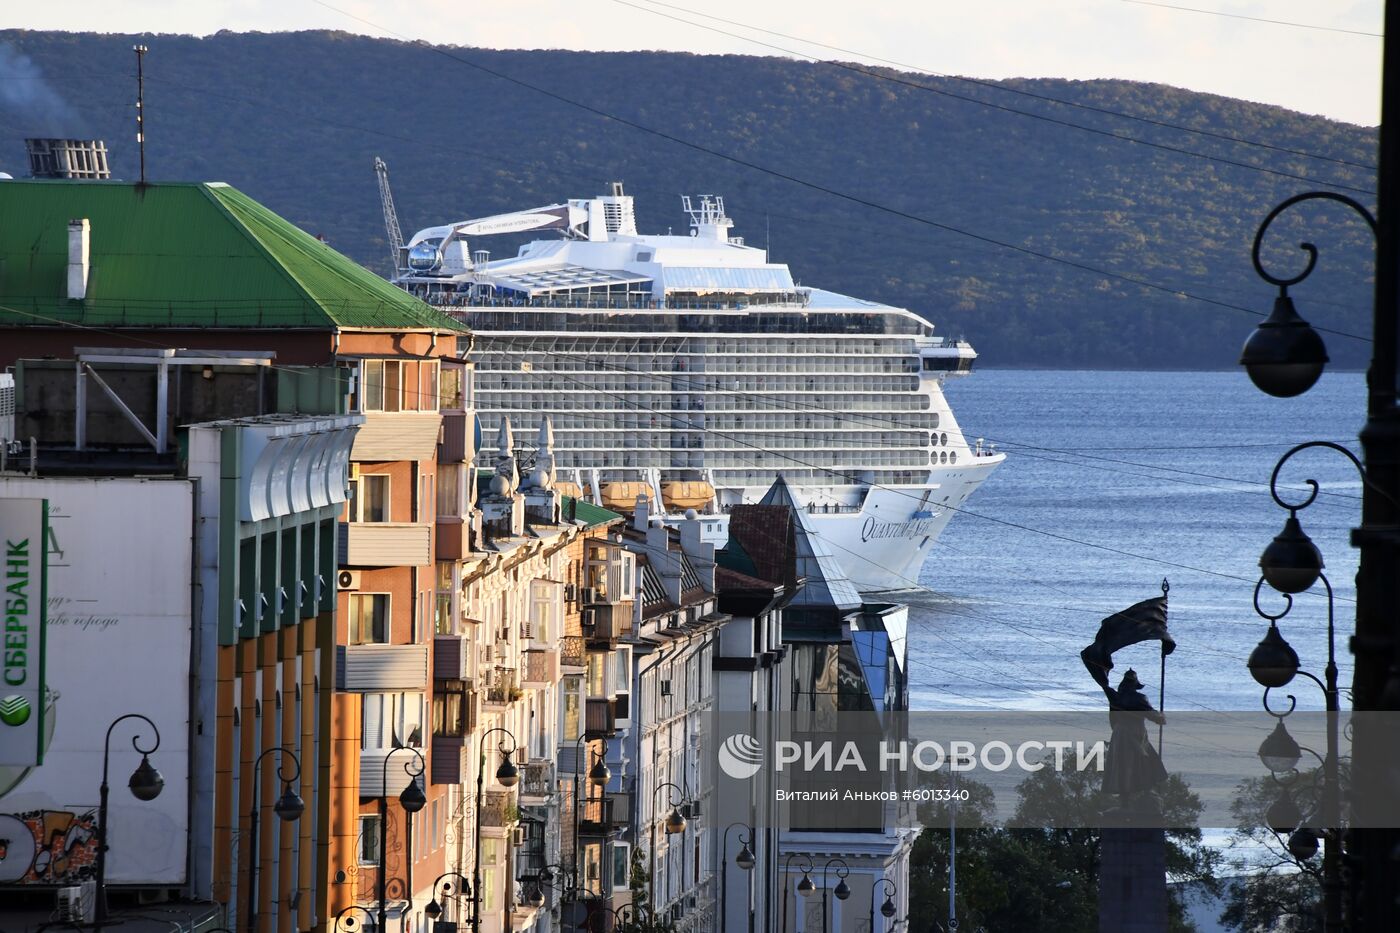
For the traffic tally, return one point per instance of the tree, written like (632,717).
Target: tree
(1030,880)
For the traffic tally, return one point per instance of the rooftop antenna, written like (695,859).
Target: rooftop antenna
(140,51)
(767,236)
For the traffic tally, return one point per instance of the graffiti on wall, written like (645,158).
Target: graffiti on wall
(48,847)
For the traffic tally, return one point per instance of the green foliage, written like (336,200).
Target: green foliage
(1271,884)
(295,119)
(1014,880)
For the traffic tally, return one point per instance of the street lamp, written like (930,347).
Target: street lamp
(507,775)
(288,807)
(342,923)
(675,823)
(744,860)
(412,800)
(842,890)
(434,909)
(145,783)
(887,909)
(598,776)
(1274,663)
(804,887)
(1284,357)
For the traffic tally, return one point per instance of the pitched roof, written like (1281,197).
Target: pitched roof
(184,255)
(591,515)
(827,584)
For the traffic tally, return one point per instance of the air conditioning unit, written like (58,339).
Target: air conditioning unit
(588,594)
(348,580)
(517,837)
(570,592)
(589,620)
(76,903)
(665,688)
(527,631)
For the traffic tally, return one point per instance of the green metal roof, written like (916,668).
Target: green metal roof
(588,513)
(184,255)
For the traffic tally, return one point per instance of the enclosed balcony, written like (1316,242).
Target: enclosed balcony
(498,809)
(399,435)
(536,783)
(600,717)
(384,544)
(451,657)
(541,667)
(380,668)
(502,688)
(605,623)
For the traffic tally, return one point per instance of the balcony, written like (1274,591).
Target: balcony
(384,544)
(377,668)
(596,816)
(454,538)
(541,667)
(451,657)
(451,760)
(397,435)
(455,446)
(498,810)
(573,651)
(600,719)
(536,783)
(502,688)
(605,623)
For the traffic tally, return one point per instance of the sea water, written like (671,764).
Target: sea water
(1112,482)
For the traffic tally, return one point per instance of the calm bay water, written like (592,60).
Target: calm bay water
(1114,480)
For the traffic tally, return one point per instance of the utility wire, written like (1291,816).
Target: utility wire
(811,185)
(985,103)
(1257,19)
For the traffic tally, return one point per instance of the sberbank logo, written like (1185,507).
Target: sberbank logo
(14,710)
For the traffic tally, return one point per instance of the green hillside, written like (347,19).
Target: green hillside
(295,120)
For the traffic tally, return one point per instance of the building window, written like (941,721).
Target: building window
(451,382)
(391,720)
(369,618)
(369,498)
(451,712)
(571,709)
(369,840)
(597,667)
(372,386)
(449,490)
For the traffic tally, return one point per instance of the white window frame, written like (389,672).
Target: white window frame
(352,618)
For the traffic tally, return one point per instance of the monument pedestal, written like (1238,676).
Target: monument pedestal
(1133,881)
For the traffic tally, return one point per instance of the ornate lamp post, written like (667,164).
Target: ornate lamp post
(675,823)
(887,909)
(745,860)
(412,800)
(805,887)
(343,923)
(598,776)
(288,807)
(507,775)
(842,890)
(434,909)
(145,783)
(1284,357)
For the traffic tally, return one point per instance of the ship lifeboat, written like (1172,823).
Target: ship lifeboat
(566,488)
(690,494)
(622,497)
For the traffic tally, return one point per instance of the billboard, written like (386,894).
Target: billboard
(118,640)
(23,530)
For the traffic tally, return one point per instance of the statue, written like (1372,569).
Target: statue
(1133,767)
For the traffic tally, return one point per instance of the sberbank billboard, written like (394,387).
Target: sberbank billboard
(23,532)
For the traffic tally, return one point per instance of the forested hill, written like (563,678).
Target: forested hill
(295,120)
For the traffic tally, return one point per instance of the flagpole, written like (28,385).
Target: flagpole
(1162,680)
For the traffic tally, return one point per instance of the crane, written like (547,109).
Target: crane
(391,217)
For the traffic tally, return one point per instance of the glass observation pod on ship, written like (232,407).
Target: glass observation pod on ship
(693,371)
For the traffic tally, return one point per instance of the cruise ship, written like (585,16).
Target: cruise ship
(691,370)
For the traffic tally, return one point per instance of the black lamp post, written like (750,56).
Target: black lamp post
(745,860)
(434,909)
(675,823)
(805,887)
(145,783)
(887,909)
(1283,359)
(842,890)
(1273,664)
(288,807)
(412,800)
(508,776)
(342,922)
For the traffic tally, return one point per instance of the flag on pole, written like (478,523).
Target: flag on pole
(1144,621)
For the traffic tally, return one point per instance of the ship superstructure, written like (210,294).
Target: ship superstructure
(692,370)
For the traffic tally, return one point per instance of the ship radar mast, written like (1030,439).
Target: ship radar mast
(707,219)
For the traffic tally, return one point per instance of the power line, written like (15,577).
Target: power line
(811,185)
(983,103)
(1257,19)
(1006,88)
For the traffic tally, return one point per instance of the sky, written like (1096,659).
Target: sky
(1318,58)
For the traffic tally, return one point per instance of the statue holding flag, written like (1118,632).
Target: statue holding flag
(1133,767)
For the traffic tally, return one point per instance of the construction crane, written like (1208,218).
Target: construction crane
(391,217)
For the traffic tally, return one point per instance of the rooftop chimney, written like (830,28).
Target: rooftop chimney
(78,259)
(68,158)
